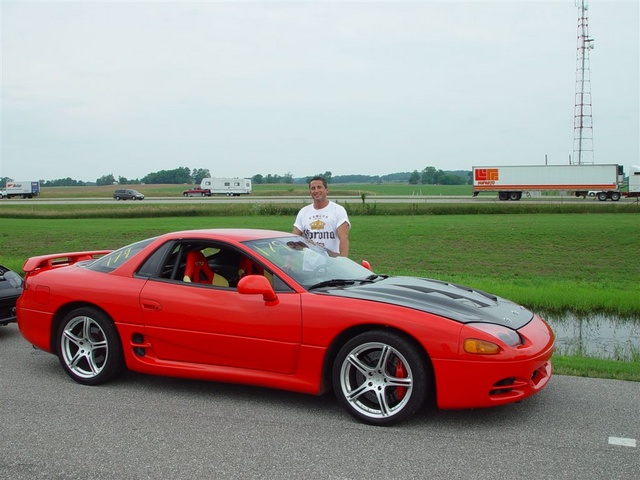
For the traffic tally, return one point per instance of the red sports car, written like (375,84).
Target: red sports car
(273,309)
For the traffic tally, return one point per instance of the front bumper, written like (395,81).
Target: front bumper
(476,381)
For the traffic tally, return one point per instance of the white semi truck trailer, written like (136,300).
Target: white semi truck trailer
(510,182)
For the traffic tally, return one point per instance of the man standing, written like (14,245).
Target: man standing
(324,222)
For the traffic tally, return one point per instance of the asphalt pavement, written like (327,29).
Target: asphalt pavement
(143,427)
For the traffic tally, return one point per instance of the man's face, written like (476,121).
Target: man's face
(318,190)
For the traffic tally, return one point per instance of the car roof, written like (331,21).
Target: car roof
(231,234)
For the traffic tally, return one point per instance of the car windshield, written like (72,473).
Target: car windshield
(308,264)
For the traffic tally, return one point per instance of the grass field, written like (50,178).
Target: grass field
(544,261)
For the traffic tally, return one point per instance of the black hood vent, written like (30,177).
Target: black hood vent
(448,300)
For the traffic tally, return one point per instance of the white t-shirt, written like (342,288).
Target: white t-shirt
(320,226)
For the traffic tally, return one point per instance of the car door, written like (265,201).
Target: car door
(213,325)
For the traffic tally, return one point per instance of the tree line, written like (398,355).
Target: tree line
(184,175)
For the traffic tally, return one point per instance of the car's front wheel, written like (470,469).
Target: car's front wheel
(89,346)
(381,377)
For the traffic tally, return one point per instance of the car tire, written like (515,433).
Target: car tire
(89,347)
(381,378)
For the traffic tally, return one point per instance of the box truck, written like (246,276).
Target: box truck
(512,181)
(27,189)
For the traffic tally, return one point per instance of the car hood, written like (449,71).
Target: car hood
(457,302)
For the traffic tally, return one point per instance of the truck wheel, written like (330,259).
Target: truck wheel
(602,196)
(503,195)
(515,196)
(615,196)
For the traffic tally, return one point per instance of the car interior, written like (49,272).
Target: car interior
(206,263)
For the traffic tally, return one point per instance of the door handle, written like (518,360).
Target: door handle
(151,305)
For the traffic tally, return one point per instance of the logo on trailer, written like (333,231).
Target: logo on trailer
(486,176)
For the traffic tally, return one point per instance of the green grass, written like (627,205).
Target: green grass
(544,261)
(596,368)
(211,207)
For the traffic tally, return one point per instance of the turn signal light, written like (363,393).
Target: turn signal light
(480,347)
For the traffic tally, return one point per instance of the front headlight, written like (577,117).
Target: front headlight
(483,346)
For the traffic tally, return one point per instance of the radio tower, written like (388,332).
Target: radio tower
(583,120)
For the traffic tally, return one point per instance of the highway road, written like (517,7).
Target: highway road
(143,427)
(306,199)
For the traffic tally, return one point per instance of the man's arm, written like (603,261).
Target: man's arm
(296,231)
(343,235)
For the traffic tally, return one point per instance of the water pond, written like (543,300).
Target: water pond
(597,336)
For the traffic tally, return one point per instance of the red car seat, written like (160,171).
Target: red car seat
(197,270)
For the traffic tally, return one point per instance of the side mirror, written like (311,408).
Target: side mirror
(258,285)
(366,264)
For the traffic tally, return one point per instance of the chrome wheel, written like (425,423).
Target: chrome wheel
(84,347)
(89,347)
(380,378)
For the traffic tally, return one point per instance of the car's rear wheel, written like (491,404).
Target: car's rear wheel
(89,346)
(381,378)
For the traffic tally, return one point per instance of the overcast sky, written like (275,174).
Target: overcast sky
(91,88)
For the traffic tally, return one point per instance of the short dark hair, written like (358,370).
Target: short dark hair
(322,179)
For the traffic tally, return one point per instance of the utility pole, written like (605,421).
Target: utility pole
(583,119)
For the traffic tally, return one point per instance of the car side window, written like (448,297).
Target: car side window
(155,265)
(204,263)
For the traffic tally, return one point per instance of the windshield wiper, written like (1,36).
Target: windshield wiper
(336,282)
(372,278)
(340,282)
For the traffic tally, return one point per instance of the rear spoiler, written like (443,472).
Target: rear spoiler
(60,259)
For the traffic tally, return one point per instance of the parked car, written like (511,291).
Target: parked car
(10,290)
(273,309)
(197,192)
(128,194)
